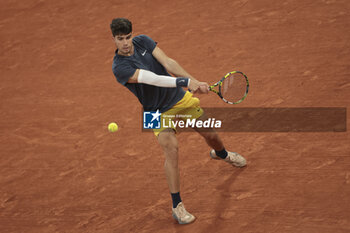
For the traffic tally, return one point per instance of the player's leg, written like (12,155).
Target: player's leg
(212,139)
(219,152)
(168,142)
(210,135)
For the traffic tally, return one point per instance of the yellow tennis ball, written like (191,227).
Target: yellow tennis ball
(112,127)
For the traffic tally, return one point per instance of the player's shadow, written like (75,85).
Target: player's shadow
(222,200)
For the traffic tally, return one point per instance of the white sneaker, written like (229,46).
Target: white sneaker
(232,158)
(181,214)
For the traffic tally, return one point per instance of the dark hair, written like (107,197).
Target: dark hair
(121,26)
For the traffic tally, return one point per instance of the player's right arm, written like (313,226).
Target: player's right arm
(148,77)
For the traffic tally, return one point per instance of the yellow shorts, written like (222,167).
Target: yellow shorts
(187,108)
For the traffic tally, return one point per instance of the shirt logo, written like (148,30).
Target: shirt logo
(143,54)
(151,120)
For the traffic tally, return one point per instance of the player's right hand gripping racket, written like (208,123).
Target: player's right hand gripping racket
(233,87)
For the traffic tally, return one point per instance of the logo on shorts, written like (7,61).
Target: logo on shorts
(151,120)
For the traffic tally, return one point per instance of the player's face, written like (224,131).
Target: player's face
(124,44)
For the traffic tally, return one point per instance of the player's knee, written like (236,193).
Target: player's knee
(171,149)
(168,142)
(170,145)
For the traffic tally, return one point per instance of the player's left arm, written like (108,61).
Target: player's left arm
(174,68)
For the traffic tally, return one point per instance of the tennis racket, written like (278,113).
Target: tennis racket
(232,88)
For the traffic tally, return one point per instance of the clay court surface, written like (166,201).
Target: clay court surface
(62,171)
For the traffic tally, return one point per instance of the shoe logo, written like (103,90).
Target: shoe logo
(151,120)
(143,54)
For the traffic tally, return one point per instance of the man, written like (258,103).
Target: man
(142,67)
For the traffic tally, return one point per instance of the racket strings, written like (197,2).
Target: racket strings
(233,87)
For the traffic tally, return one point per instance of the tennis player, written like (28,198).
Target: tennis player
(142,67)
